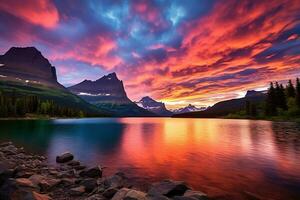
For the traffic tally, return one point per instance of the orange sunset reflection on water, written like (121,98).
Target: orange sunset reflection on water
(228,158)
(217,156)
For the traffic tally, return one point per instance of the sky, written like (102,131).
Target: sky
(179,52)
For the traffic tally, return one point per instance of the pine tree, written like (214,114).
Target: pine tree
(290,90)
(298,92)
(282,98)
(270,108)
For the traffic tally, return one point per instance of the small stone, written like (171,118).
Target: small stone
(77,191)
(92,172)
(168,188)
(65,157)
(73,163)
(38,196)
(195,194)
(25,182)
(110,192)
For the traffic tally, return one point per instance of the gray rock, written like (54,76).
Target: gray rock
(89,184)
(195,194)
(135,195)
(110,192)
(95,172)
(168,188)
(77,191)
(115,181)
(73,163)
(65,157)
(120,194)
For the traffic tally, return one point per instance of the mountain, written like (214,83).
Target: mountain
(25,71)
(29,65)
(151,105)
(108,93)
(224,108)
(189,108)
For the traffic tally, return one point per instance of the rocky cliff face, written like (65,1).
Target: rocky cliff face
(108,89)
(153,106)
(108,93)
(29,65)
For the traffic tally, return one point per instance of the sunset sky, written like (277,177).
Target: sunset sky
(176,51)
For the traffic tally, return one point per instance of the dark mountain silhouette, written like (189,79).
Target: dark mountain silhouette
(28,64)
(189,108)
(224,108)
(108,93)
(151,105)
(25,71)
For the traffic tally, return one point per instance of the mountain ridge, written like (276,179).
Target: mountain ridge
(154,106)
(226,107)
(108,92)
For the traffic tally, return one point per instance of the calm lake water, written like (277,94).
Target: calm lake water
(217,156)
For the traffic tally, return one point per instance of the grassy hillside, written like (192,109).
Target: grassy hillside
(60,96)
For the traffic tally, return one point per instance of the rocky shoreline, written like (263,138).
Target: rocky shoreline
(24,176)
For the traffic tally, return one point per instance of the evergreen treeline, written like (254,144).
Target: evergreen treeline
(13,106)
(283,100)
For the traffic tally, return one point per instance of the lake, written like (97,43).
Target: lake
(217,156)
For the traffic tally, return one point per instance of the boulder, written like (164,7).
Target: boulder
(65,157)
(45,183)
(168,188)
(95,172)
(120,194)
(129,194)
(89,184)
(77,191)
(116,181)
(135,195)
(110,192)
(195,194)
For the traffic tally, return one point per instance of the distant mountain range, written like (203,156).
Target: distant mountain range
(25,71)
(108,93)
(151,105)
(187,109)
(224,108)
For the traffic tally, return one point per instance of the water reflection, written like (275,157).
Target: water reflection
(220,157)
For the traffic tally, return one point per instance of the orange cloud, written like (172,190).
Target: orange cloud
(41,12)
(226,41)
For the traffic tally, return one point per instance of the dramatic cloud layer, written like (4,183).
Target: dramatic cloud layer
(180,52)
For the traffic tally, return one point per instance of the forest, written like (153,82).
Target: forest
(281,102)
(21,106)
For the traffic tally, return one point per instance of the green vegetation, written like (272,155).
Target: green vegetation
(37,101)
(13,106)
(282,103)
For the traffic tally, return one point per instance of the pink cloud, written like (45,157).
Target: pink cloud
(41,12)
